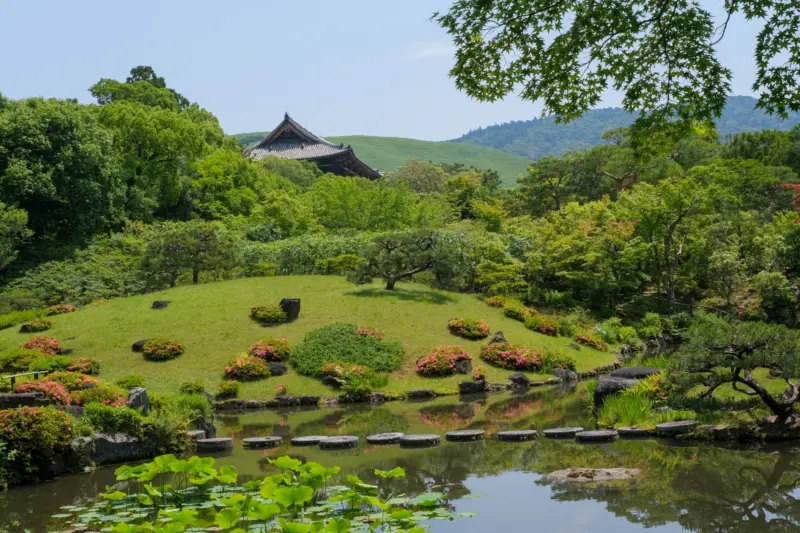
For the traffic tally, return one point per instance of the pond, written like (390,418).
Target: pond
(681,488)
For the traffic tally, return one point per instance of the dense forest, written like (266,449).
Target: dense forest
(541,137)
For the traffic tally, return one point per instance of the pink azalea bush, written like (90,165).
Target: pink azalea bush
(442,361)
(271,349)
(518,312)
(47,345)
(162,350)
(245,367)
(591,342)
(84,365)
(282,390)
(54,391)
(370,332)
(73,381)
(511,357)
(495,301)
(479,374)
(469,328)
(544,324)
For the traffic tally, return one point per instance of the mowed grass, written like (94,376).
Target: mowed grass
(213,323)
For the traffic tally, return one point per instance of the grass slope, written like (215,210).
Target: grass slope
(389,153)
(212,321)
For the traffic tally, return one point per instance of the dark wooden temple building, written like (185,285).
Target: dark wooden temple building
(290,140)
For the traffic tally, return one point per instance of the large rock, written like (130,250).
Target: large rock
(498,338)
(81,451)
(117,448)
(565,375)
(464,366)
(160,304)
(291,306)
(421,394)
(635,372)
(519,379)
(331,381)
(471,387)
(277,369)
(608,385)
(138,399)
(25,399)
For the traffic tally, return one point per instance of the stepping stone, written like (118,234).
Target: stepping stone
(262,442)
(465,435)
(384,438)
(195,434)
(306,441)
(629,432)
(338,443)
(562,433)
(596,436)
(223,444)
(670,429)
(517,436)
(420,441)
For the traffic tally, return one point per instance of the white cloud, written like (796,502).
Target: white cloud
(420,50)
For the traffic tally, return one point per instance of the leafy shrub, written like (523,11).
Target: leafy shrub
(50,363)
(34,437)
(442,361)
(511,357)
(104,394)
(650,326)
(19,317)
(518,312)
(339,265)
(469,328)
(545,324)
(271,349)
(17,360)
(245,367)
(107,419)
(131,381)
(47,345)
(192,406)
(268,314)
(567,326)
(495,301)
(370,332)
(36,326)
(166,431)
(281,390)
(552,362)
(591,342)
(162,350)
(85,365)
(53,390)
(193,387)
(340,370)
(479,374)
(73,381)
(341,343)
(228,389)
(60,309)
(613,331)
(628,335)
(362,386)
(261,270)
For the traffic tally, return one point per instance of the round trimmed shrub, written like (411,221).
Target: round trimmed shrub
(544,324)
(53,390)
(469,328)
(108,419)
(50,363)
(268,314)
(341,343)
(35,437)
(85,365)
(518,312)
(47,345)
(552,362)
(162,350)
(193,387)
(60,309)
(105,394)
(228,389)
(131,381)
(15,360)
(271,349)
(495,301)
(35,326)
(73,381)
(442,361)
(245,367)
(511,357)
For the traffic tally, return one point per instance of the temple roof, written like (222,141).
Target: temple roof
(290,140)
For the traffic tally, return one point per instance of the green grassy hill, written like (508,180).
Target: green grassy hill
(388,153)
(213,323)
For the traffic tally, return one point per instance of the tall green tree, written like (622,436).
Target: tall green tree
(13,233)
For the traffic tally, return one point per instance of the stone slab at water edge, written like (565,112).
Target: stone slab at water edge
(562,433)
(670,429)
(420,441)
(517,436)
(385,438)
(591,475)
(629,432)
(222,444)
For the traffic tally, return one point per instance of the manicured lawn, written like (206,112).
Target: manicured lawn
(212,321)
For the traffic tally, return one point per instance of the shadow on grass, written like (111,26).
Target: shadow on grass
(428,297)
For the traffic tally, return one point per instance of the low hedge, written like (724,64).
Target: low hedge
(342,343)
(16,318)
(517,312)
(107,419)
(192,387)
(60,309)
(469,328)
(512,357)
(544,324)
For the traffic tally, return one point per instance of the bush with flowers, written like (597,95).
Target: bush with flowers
(479,374)
(47,345)
(14,360)
(245,367)
(54,391)
(544,324)
(162,350)
(469,328)
(281,390)
(511,357)
(35,326)
(228,389)
(271,349)
(370,332)
(517,312)
(85,365)
(495,301)
(73,381)
(590,341)
(110,395)
(442,361)
(60,309)
(268,314)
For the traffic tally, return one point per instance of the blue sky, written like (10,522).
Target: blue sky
(340,67)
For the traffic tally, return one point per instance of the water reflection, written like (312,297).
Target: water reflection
(700,489)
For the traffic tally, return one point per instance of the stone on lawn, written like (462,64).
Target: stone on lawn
(160,304)
(471,387)
(138,346)
(464,366)
(565,375)
(498,338)
(277,369)
(291,306)
(138,399)
(519,379)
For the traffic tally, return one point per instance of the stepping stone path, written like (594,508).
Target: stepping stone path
(466,435)
(562,433)
(306,441)
(420,441)
(385,438)
(223,444)
(262,442)
(195,434)
(596,436)
(517,436)
(670,429)
(338,443)
(628,432)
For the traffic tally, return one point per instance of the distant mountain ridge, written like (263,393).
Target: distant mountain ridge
(537,138)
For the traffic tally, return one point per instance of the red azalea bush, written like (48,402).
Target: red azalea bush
(545,324)
(271,349)
(60,309)
(442,361)
(339,370)
(73,381)
(591,342)
(162,350)
(35,437)
(506,355)
(104,394)
(53,390)
(518,313)
(469,328)
(479,374)
(47,345)
(370,332)
(85,365)
(247,368)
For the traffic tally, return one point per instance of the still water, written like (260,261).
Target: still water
(681,488)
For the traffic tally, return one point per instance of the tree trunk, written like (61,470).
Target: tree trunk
(390,284)
(196,275)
